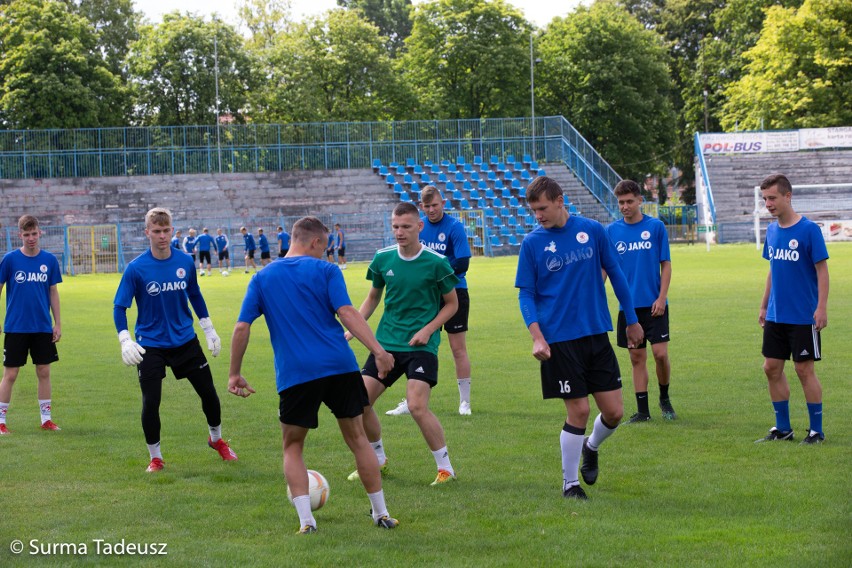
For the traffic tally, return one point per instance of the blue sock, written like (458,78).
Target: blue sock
(782,415)
(815,412)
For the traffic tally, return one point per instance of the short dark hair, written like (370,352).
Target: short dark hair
(543,186)
(27,223)
(406,209)
(307,228)
(778,180)
(429,193)
(627,186)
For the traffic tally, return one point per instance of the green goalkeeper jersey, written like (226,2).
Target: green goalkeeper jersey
(413,290)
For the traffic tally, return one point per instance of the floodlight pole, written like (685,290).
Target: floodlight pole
(216,74)
(532,94)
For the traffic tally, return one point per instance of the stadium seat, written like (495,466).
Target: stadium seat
(475,176)
(434,169)
(383,171)
(513,241)
(541,172)
(426,179)
(527,159)
(460,161)
(530,221)
(482,185)
(521,211)
(400,170)
(507,176)
(397,188)
(498,185)
(477,161)
(506,193)
(460,177)
(474,194)
(513,202)
(451,186)
(393,165)
(492,176)
(457,195)
(415,188)
(506,213)
(489,194)
(489,213)
(377,163)
(516,184)
(501,167)
(496,222)
(493,161)
(468,169)
(510,159)
(573,209)
(446,164)
(495,241)
(390,180)
(504,231)
(533,166)
(404,197)
(407,179)
(466,186)
(512,223)
(418,170)
(497,202)
(448,205)
(442,178)
(464,205)
(480,204)
(525,176)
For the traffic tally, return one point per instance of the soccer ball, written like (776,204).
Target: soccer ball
(317,488)
(225,273)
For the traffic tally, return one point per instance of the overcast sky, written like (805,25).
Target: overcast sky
(539,12)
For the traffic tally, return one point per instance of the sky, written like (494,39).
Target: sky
(539,12)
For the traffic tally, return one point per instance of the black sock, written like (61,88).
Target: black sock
(642,402)
(664,392)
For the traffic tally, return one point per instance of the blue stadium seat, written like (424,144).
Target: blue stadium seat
(460,161)
(397,188)
(475,176)
(530,221)
(521,211)
(506,193)
(525,176)
(512,223)
(383,171)
(498,185)
(496,222)
(466,186)
(504,231)
(404,197)
(495,241)
(482,185)
(457,195)
(464,205)
(468,169)
(513,241)
(407,179)
(541,172)
(426,179)
(446,163)
(506,213)
(474,194)
(573,209)
(377,163)
(507,176)
(415,188)
(492,176)
(497,202)
(510,159)
(481,204)
(393,165)
(493,161)
(516,184)
(418,170)
(390,180)
(477,242)
(460,177)
(513,202)
(451,186)
(527,159)
(400,170)
(501,167)
(489,194)
(434,169)
(533,166)
(448,205)
(489,213)
(477,161)
(442,178)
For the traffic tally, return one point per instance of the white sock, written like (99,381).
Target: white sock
(154,450)
(215,433)
(303,508)
(379,448)
(377,502)
(464,390)
(442,460)
(44,407)
(599,433)
(572,446)
(4,407)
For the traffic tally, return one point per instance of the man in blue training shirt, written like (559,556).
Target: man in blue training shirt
(30,276)
(643,244)
(340,246)
(248,238)
(263,245)
(189,243)
(313,362)
(222,244)
(283,242)
(204,243)
(161,280)
(563,303)
(176,240)
(794,308)
(446,235)
(329,249)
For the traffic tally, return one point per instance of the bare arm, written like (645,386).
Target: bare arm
(357,326)
(370,303)
(237,384)
(821,313)
(658,308)
(54,307)
(764,303)
(451,305)
(541,349)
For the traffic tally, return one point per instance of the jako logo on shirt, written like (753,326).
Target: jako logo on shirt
(784,254)
(154,288)
(623,247)
(439,247)
(21,276)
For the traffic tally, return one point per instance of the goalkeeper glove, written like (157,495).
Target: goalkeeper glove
(214,344)
(131,352)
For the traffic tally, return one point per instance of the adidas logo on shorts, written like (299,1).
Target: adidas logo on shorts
(419,370)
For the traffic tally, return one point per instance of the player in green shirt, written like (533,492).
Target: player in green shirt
(413,279)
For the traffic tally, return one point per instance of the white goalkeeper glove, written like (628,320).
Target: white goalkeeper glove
(214,344)
(131,352)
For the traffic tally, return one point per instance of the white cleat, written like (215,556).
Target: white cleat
(401,409)
(464,408)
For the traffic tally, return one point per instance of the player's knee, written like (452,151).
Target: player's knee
(773,370)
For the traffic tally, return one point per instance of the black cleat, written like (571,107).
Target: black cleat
(812,438)
(668,411)
(775,435)
(575,492)
(589,469)
(638,417)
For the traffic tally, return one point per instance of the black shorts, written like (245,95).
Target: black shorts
(283,252)
(580,367)
(204,255)
(458,323)
(192,254)
(223,254)
(329,251)
(781,340)
(416,365)
(183,361)
(341,251)
(264,255)
(250,254)
(39,346)
(656,328)
(345,395)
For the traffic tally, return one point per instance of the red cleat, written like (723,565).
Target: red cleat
(223,448)
(4,430)
(49,425)
(155,465)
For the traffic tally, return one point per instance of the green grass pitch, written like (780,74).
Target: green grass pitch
(694,492)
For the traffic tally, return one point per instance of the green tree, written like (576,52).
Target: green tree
(468,59)
(51,73)
(173,71)
(799,74)
(265,20)
(392,17)
(609,76)
(115,23)
(332,68)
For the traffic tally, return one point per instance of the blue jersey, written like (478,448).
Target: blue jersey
(330,245)
(792,254)
(176,243)
(341,239)
(307,340)
(189,244)
(263,243)
(222,243)
(448,238)
(204,242)
(249,240)
(284,241)
(560,281)
(28,280)
(161,289)
(642,247)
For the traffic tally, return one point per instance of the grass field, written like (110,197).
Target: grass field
(695,492)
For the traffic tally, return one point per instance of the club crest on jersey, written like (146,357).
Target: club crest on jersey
(181,273)
(582,238)
(793,244)
(551,247)
(442,237)
(645,235)
(21,276)
(43,268)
